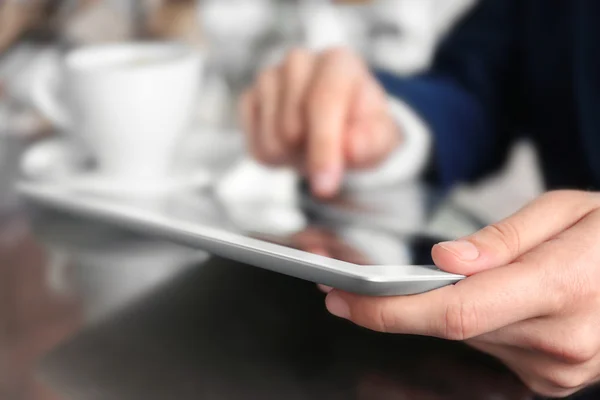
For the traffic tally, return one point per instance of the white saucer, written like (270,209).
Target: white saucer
(92,182)
(56,162)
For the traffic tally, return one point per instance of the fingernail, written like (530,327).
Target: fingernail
(325,289)
(325,183)
(337,306)
(464,250)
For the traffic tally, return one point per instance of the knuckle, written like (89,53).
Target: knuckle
(544,389)
(297,58)
(573,351)
(506,235)
(338,54)
(580,349)
(539,387)
(267,79)
(378,317)
(343,62)
(321,96)
(272,155)
(291,130)
(284,126)
(460,322)
(579,354)
(562,379)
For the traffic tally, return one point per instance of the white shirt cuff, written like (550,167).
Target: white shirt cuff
(407,162)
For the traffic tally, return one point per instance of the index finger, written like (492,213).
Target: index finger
(328,108)
(480,304)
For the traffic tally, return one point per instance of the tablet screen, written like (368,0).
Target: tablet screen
(311,230)
(369,237)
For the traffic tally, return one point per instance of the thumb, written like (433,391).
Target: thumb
(501,243)
(370,142)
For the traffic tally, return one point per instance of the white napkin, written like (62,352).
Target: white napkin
(251,182)
(51,159)
(234,20)
(262,199)
(323,25)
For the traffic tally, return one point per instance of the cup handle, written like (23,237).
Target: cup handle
(45,99)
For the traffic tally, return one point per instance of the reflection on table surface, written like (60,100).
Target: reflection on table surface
(91,312)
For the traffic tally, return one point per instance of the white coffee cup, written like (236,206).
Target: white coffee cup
(127,104)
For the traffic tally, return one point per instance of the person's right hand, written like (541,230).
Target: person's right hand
(320,113)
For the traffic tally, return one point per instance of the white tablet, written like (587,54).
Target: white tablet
(290,241)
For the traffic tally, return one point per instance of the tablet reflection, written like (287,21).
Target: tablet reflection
(359,246)
(326,243)
(298,228)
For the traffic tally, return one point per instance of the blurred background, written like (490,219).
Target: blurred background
(237,38)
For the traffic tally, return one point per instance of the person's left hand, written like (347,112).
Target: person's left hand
(531,299)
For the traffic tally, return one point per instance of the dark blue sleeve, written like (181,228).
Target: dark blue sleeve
(468,96)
